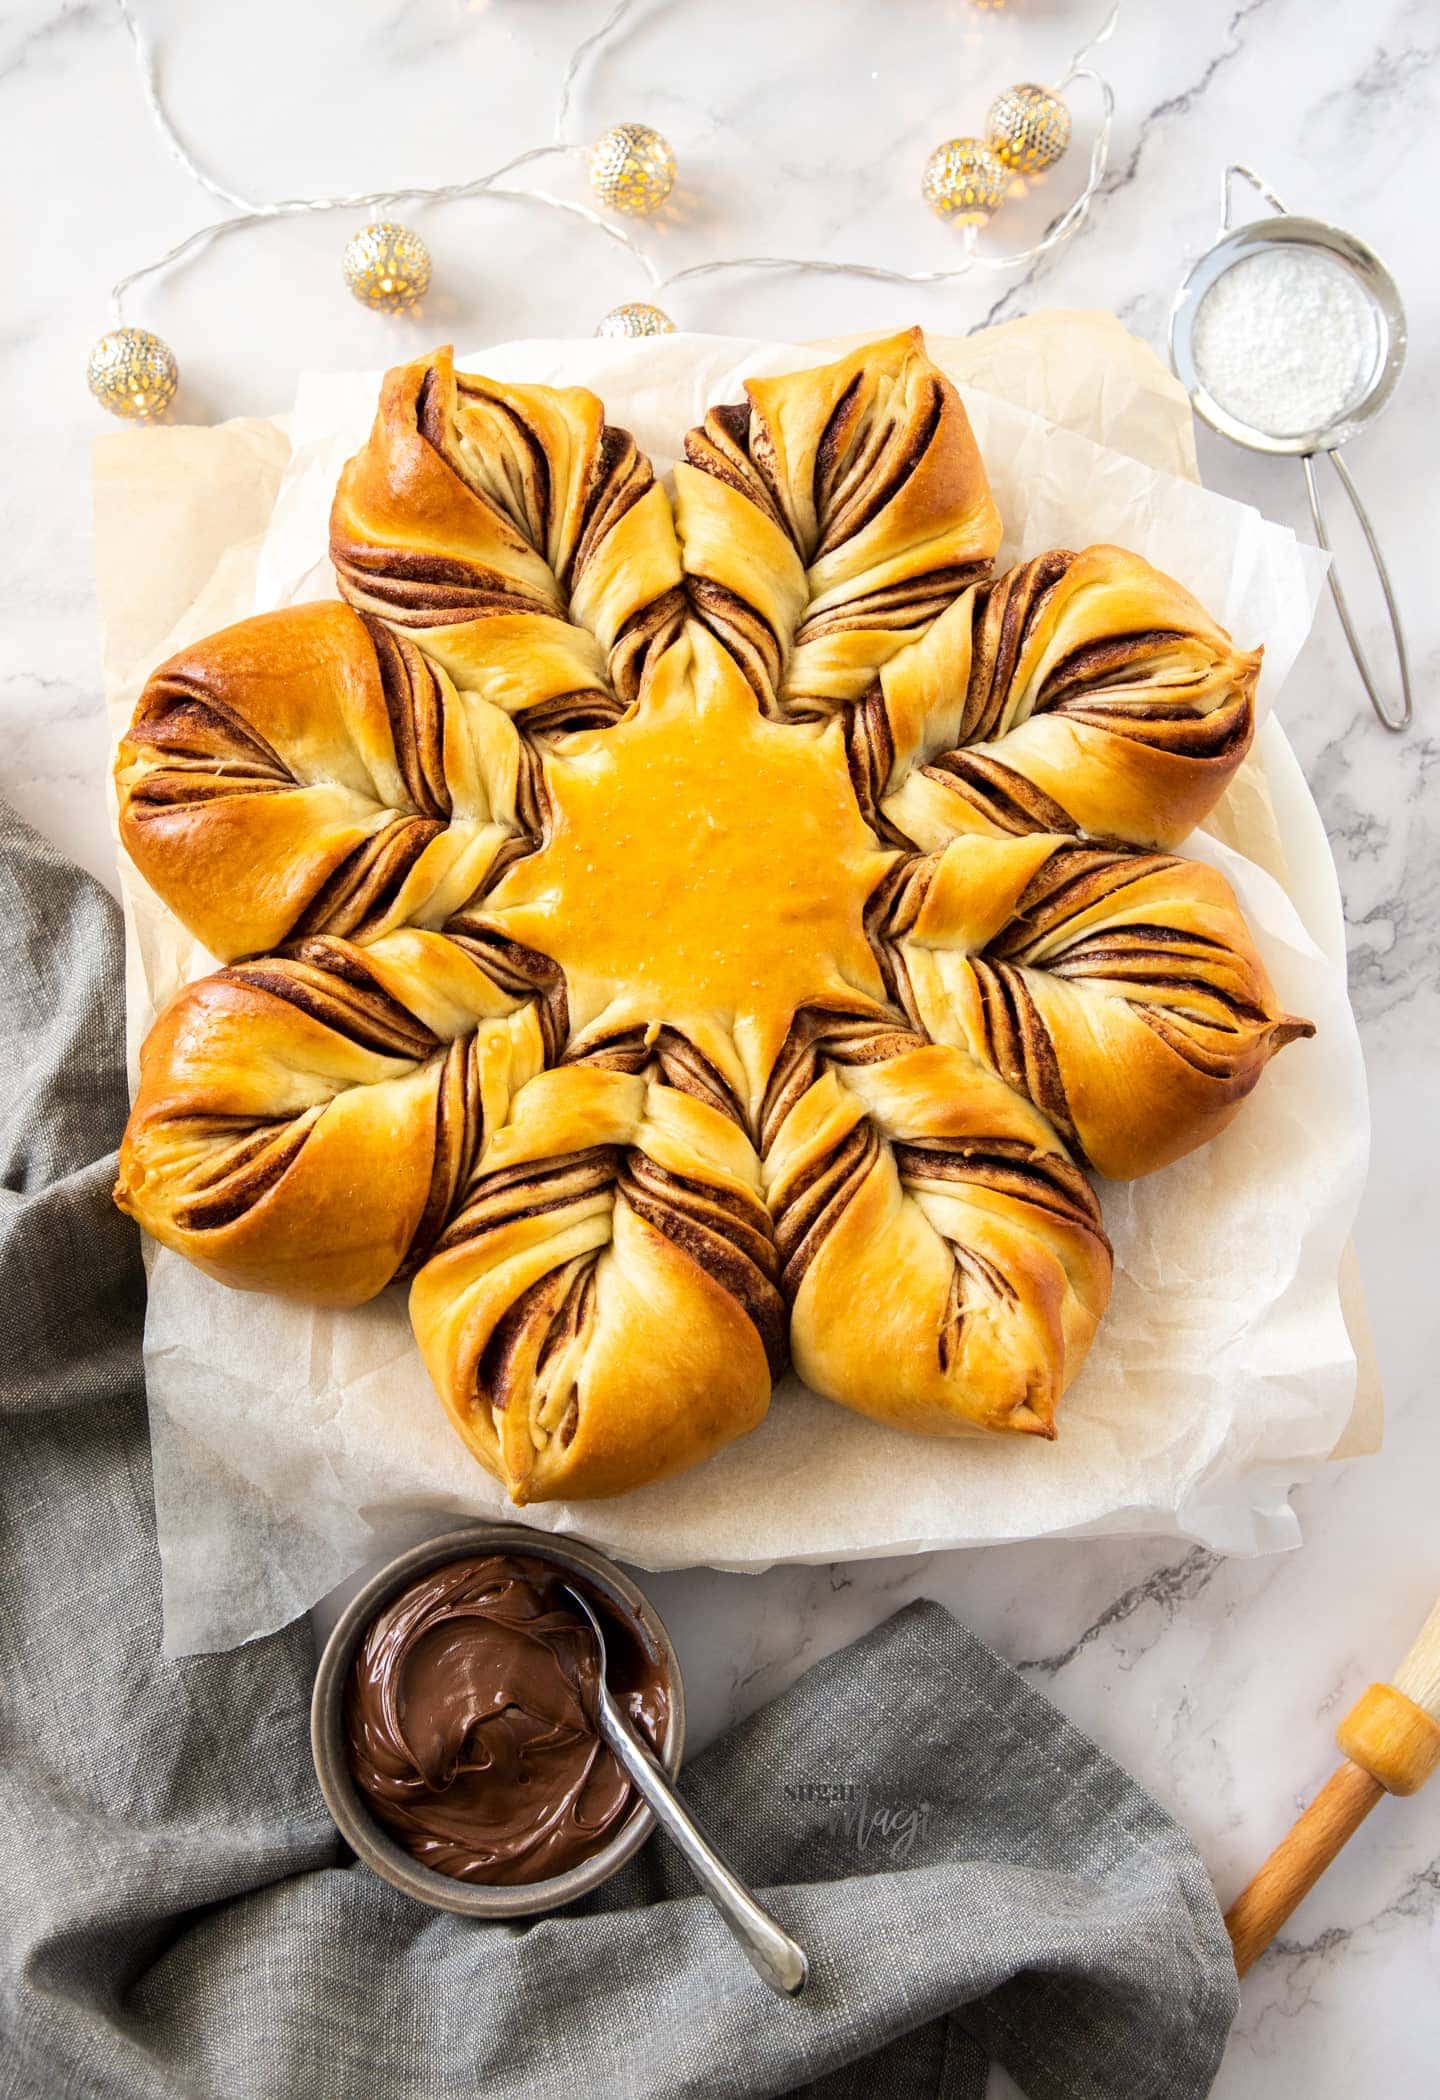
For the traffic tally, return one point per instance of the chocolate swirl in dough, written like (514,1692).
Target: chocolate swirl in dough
(470,1721)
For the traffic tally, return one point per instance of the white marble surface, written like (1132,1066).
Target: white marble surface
(802,129)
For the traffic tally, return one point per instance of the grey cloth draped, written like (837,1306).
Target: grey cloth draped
(973,1879)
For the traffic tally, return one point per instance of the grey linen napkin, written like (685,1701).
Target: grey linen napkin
(973,1879)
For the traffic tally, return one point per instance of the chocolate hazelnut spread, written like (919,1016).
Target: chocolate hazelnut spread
(470,1720)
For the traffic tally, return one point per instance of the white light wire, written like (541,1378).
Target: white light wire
(250,211)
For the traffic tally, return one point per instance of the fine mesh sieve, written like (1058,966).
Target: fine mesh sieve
(1365,367)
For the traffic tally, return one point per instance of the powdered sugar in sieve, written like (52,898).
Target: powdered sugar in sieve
(1286,340)
(1289,336)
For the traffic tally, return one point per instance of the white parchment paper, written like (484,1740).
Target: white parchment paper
(292,1443)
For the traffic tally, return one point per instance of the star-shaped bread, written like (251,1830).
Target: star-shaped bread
(684,938)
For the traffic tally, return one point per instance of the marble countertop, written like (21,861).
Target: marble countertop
(1217,1682)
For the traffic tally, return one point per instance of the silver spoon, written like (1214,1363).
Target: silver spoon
(771,1952)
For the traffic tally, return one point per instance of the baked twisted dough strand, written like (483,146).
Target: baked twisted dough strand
(311,772)
(522,541)
(1117,991)
(945,1262)
(306,1123)
(829,518)
(603,1305)
(1079,692)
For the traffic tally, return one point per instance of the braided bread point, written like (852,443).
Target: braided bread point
(305,1124)
(602,1310)
(827,520)
(522,541)
(1079,692)
(309,772)
(945,1262)
(1119,992)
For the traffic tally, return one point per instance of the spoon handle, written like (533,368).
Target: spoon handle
(771,1952)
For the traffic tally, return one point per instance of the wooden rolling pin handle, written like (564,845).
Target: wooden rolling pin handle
(1298,1861)
(1392,1746)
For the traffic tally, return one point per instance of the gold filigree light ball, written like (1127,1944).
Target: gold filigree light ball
(133,374)
(387,267)
(1028,128)
(964,182)
(632,169)
(636,318)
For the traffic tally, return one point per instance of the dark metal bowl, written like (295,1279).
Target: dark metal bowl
(359,1827)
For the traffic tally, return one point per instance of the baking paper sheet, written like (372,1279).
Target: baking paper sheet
(291,1443)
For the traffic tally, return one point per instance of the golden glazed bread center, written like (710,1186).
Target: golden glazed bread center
(704,868)
(685,936)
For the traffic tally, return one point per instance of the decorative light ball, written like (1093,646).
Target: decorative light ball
(1028,128)
(964,181)
(387,267)
(632,169)
(133,374)
(636,319)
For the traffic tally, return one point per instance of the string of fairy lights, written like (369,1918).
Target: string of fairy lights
(632,173)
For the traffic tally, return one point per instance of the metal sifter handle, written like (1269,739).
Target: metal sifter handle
(1392,722)
(1227,192)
